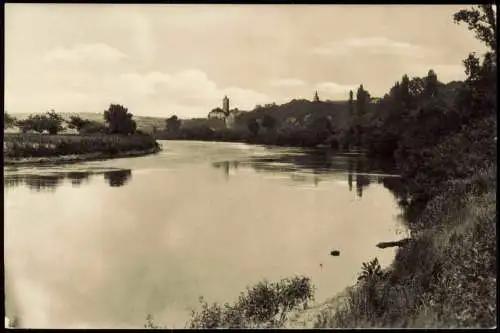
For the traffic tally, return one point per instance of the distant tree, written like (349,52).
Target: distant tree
(119,120)
(76,122)
(430,84)
(52,122)
(253,126)
(92,126)
(26,125)
(417,87)
(351,103)
(362,100)
(404,90)
(269,122)
(173,124)
(8,120)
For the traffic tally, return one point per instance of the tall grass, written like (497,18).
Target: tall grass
(42,145)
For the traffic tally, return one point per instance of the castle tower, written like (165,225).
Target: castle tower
(225,105)
(316,98)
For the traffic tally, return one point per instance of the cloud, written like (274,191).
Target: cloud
(81,53)
(372,45)
(334,90)
(287,82)
(187,93)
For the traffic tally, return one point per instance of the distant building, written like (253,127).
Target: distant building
(225,105)
(316,97)
(225,114)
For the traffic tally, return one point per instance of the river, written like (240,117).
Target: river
(102,244)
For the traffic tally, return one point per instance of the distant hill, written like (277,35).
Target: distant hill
(299,111)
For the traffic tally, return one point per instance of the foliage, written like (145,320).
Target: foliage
(8,120)
(76,122)
(269,122)
(481,20)
(119,120)
(172,124)
(50,122)
(253,126)
(85,126)
(263,305)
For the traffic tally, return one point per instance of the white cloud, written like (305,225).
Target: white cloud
(187,93)
(84,53)
(372,45)
(245,99)
(332,90)
(287,82)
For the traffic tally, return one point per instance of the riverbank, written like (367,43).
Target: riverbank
(35,149)
(76,158)
(445,277)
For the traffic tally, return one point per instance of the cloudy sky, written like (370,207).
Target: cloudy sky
(160,60)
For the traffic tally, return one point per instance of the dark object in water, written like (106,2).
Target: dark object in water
(384,245)
(335,253)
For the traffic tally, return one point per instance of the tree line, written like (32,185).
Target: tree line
(117,120)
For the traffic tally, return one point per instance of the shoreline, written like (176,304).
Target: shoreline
(77,158)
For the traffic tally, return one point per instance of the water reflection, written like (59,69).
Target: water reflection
(321,165)
(226,166)
(50,182)
(118,178)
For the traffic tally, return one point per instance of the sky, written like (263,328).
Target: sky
(161,60)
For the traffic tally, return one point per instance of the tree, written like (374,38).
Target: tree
(76,122)
(351,103)
(362,100)
(404,90)
(481,20)
(253,126)
(269,122)
(8,120)
(50,122)
(480,95)
(430,84)
(173,124)
(119,120)
(53,122)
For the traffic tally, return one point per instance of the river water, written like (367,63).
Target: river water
(103,244)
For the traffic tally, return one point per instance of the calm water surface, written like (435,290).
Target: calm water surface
(102,244)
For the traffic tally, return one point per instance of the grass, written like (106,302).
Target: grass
(444,278)
(17,146)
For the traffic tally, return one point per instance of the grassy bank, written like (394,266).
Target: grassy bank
(445,277)
(29,148)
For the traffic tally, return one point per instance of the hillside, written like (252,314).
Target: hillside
(299,111)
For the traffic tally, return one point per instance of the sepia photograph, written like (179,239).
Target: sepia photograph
(279,166)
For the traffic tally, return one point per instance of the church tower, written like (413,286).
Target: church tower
(316,98)
(225,105)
